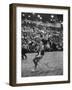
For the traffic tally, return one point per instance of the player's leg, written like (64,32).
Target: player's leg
(35,63)
(25,56)
(22,57)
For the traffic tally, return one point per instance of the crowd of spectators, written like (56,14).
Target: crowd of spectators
(32,33)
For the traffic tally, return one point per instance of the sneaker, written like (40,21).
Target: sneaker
(33,70)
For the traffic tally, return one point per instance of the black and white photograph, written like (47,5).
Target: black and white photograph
(41,44)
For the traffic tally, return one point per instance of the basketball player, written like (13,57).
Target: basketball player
(39,56)
(24,51)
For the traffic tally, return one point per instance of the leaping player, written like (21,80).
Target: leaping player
(39,56)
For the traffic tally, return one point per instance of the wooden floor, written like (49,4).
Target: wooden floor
(50,64)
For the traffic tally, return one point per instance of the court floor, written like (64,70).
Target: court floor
(50,64)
